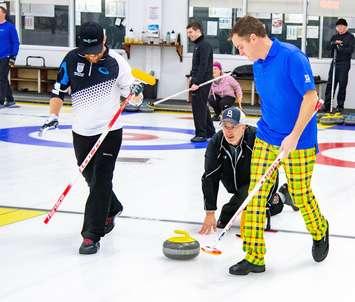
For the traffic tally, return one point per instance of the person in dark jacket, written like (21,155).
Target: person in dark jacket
(342,46)
(8,52)
(227,159)
(201,72)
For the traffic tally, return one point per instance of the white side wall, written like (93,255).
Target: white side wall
(165,62)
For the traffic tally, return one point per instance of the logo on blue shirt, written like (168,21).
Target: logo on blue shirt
(307,78)
(104,70)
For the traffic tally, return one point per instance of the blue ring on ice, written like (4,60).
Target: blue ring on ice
(21,135)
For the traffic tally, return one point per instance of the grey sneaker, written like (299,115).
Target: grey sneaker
(89,247)
(10,104)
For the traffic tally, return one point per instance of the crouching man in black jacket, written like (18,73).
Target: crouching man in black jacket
(227,159)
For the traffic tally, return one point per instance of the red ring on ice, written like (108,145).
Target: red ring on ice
(330,161)
(129,136)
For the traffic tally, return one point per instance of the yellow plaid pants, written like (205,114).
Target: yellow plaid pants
(299,168)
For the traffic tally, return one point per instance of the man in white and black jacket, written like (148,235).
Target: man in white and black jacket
(97,78)
(227,159)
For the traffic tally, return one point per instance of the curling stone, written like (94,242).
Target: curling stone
(332,119)
(146,107)
(131,108)
(350,119)
(181,247)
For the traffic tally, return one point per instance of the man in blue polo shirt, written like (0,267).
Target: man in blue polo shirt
(285,84)
(8,52)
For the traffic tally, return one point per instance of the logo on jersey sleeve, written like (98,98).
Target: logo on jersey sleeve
(307,78)
(104,70)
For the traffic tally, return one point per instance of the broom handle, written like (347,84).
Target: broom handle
(333,80)
(189,89)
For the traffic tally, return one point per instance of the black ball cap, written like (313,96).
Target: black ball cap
(342,21)
(91,36)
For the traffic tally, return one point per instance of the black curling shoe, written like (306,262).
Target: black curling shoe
(320,247)
(198,139)
(244,268)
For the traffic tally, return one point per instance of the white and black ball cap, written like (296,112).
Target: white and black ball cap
(91,36)
(233,115)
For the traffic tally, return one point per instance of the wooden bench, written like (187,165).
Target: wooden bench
(35,78)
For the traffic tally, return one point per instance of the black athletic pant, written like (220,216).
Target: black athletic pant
(229,209)
(202,117)
(5,88)
(102,201)
(341,78)
(219,103)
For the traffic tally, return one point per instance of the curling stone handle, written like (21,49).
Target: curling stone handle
(182,232)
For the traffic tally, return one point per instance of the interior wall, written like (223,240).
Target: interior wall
(165,62)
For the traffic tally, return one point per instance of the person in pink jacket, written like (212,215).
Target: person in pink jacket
(224,93)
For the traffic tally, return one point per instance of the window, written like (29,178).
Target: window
(44,22)
(283,20)
(313,36)
(109,13)
(217,19)
(285,27)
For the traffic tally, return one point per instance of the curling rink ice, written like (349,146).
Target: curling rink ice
(157,178)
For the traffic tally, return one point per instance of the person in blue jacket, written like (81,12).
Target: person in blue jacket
(8,52)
